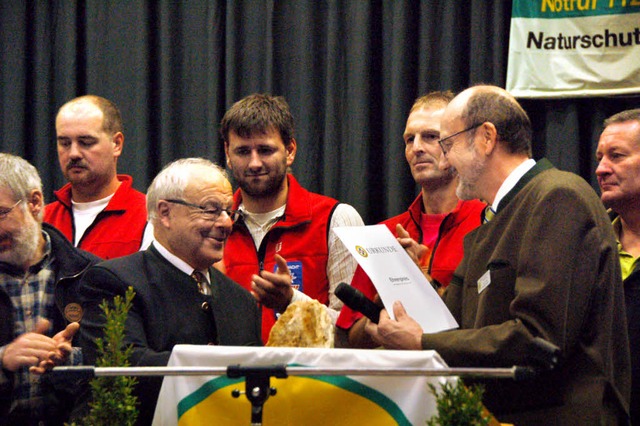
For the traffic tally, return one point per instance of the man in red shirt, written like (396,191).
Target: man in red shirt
(97,210)
(437,219)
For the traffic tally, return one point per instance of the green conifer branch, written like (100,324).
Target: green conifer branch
(458,405)
(113,401)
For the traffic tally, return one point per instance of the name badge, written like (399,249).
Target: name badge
(295,269)
(484,281)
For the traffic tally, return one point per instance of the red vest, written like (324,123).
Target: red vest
(116,231)
(301,237)
(445,256)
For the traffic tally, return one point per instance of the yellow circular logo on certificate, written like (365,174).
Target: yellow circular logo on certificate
(362,251)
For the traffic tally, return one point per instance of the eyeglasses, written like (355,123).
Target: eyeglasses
(210,212)
(447,143)
(4,211)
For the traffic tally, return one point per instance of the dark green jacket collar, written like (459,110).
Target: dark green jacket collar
(539,167)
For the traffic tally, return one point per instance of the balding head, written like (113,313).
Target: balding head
(111,117)
(485,135)
(480,104)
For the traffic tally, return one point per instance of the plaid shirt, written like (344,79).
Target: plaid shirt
(32,295)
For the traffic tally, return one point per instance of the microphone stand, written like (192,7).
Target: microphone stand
(257,386)
(515,372)
(257,379)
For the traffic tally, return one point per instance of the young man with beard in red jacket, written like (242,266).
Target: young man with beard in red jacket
(282,249)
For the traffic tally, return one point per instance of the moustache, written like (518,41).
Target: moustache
(76,163)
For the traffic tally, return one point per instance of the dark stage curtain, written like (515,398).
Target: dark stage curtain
(349,69)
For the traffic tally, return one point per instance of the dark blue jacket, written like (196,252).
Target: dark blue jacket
(70,264)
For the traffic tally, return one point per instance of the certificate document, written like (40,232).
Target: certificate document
(396,276)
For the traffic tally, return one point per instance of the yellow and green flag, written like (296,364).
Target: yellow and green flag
(300,400)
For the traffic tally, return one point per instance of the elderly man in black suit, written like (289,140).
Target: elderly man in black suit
(180,298)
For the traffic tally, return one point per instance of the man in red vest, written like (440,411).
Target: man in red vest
(282,249)
(437,219)
(97,210)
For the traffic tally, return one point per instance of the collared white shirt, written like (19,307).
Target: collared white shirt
(177,262)
(511,181)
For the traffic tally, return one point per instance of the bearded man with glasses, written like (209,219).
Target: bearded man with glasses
(39,304)
(544,267)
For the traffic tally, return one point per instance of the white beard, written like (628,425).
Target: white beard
(25,244)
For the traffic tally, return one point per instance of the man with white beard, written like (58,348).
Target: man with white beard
(39,309)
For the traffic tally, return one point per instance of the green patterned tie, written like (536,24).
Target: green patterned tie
(488,214)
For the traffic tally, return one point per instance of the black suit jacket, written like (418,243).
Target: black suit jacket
(167,310)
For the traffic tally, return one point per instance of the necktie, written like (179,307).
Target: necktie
(489,213)
(203,284)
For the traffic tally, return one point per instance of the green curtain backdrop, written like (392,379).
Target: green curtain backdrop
(349,69)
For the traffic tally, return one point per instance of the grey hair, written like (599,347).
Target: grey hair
(174,178)
(20,177)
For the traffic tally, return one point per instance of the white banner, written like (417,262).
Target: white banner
(300,400)
(574,48)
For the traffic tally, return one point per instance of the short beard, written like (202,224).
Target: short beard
(270,188)
(468,188)
(26,241)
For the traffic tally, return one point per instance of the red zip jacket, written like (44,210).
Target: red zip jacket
(445,256)
(301,237)
(116,231)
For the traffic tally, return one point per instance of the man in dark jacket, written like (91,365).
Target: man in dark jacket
(618,173)
(544,267)
(179,297)
(39,308)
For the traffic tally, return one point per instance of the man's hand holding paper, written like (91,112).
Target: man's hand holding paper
(395,274)
(403,333)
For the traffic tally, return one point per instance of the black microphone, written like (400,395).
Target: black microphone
(357,301)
